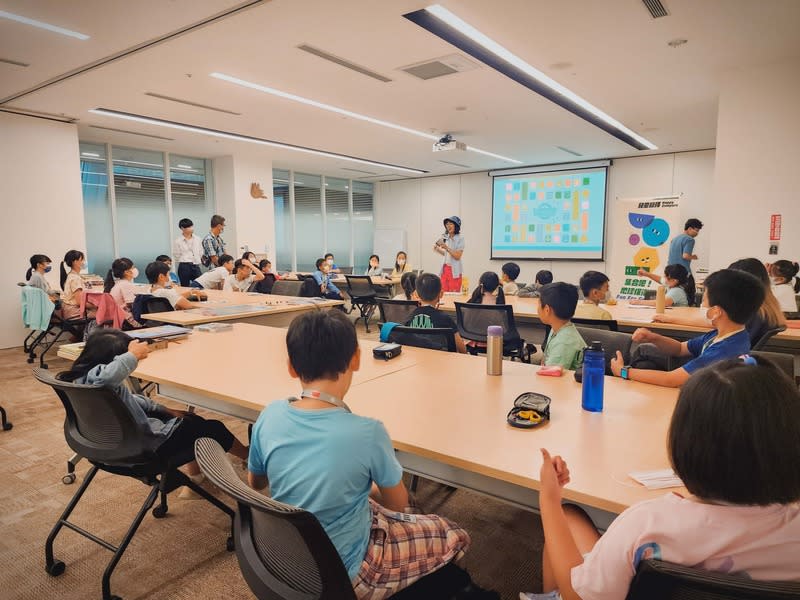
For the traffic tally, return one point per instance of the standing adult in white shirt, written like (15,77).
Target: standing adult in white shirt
(187,250)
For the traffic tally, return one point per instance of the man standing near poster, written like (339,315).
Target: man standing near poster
(681,252)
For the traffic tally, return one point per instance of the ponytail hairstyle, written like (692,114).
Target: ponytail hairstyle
(788,271)
(66,266)
(488,283)
(117,271)
(35,261)
(408,281)
(681,275)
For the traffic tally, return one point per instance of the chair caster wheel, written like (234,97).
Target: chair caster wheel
(7,426)
(68,479)
(116,597)
(230,546)
(159,512)
(56,569)
(30,361)
(45,367)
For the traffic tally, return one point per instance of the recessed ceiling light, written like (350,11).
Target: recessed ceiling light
(677,42)
(347,113)
(42,25)
(246,138)
(451,28)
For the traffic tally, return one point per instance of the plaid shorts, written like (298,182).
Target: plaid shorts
(401,552)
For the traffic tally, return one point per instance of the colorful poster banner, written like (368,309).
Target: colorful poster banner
(648,225)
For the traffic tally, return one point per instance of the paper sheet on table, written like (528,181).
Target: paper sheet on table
(656,480)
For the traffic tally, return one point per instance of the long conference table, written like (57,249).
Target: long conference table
(630,317)
(446,417)
(242,307)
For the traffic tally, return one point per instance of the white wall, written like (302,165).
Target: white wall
(248,221)
(758,156)
(40,187)
(419,205)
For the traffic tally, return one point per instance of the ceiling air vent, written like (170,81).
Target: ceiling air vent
(190,103)
(15,63)
(342,62)
(455,164)
(656,8)
(568,151)
(439,67)
(157,137)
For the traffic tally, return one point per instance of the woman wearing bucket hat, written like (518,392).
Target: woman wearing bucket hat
(451,246)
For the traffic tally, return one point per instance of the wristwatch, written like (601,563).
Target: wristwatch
(623,372)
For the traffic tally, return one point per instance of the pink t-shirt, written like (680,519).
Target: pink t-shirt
(124,292)
(760,542)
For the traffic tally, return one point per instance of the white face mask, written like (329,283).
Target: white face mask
(135,272)
(401,261)
(330,261)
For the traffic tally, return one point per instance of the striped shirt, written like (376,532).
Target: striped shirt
(213,245)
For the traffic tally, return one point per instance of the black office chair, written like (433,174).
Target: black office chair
(346,270)
(363,296)
(287,287)
(611,340)
(99,427)
(765,337)
(285,554)
(4,419)
(659,580)
(473,319)
(609,324)
(396,311)
(783,361)
(434,338)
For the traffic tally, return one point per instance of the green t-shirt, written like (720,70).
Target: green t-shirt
(564,348)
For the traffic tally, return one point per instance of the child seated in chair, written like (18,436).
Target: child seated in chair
(594,286)
(158,275)
(428,315)
(317,455)
(564,345)
(108,359)
(323,278)
(733,441)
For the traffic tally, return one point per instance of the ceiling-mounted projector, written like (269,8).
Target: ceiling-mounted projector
(446,144)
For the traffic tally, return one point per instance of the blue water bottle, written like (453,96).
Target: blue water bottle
(594,370)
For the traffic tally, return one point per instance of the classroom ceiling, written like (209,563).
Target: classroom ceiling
(612,53)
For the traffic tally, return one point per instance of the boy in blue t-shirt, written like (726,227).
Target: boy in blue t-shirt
(319,456)
(731,298)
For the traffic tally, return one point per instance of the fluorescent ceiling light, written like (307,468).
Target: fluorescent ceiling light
(347,113)
(446,25)
(92,154)
(42,25)
(184,167)
(246,138)
(136,162)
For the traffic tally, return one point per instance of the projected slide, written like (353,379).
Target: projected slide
(552,215)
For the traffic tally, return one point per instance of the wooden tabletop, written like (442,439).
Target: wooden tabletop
(246,366)
(442,406)
(232,306)
(626,315)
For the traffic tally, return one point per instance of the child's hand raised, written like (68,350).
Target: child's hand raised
(553,475)
(139,349)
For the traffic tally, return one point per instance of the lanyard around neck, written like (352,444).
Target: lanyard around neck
(324,397)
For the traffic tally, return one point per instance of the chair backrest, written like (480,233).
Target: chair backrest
(611,340)
(283,551)
(765,337)
(265,285)
(396,311)
(473,319)
(609,324)
(434,338)
(309,288)
(98,425)
(346,270)
(784,361)
(360,286)
(659,580)
(287,287)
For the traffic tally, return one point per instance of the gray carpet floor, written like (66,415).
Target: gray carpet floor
(183,555)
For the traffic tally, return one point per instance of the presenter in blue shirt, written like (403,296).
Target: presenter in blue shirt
(681,252)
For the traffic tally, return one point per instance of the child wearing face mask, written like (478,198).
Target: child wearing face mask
(332,266)
(401,265)
(72,283)
(732,298)
(594,286)
(119,283)
(785,283)
(41,264)
(676,278)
